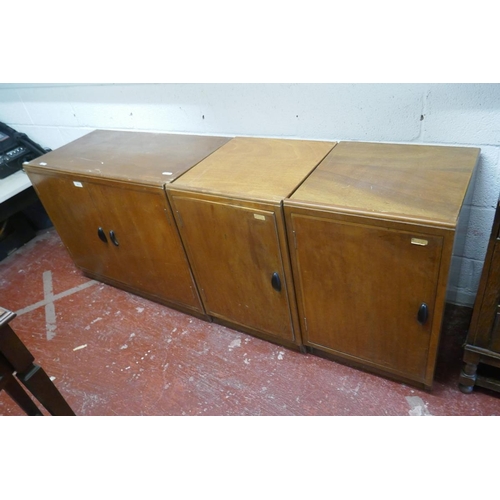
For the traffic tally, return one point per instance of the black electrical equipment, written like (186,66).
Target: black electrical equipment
(15,149)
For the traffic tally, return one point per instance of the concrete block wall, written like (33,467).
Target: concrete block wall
(443,114)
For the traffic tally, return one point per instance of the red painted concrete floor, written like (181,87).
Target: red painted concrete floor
(113,353)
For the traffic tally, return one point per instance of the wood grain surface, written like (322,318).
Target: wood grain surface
(255,168)
(143,157)
(360,290)
(234,252)
(149,258)
(404,182)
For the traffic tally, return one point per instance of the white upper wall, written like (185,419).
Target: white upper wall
(451,114)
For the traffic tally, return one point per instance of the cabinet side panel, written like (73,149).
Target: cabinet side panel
(490,299)
(488,294)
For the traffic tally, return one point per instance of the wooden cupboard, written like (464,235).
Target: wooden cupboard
(482,348)
(371,233)
(343,250)
(105,196)
(229,213)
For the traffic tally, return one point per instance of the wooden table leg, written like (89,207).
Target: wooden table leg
(9,383)
(31,375)
(14,389)
(40,385)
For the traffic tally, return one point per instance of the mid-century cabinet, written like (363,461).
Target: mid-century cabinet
(371,234)
(229,213)
(341,249)
(105,196)
(482,348)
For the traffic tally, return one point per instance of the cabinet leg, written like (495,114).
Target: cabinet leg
(468,378)
(303,349)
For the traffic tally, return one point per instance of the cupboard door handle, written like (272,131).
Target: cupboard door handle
(113,238)
(276,282)
(423,313)
(102,235)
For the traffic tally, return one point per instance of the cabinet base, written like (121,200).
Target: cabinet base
(369,369)
(254,333)
(154,298)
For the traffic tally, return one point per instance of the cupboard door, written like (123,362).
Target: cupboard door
(145,242)
(236,259)
(367,292)
(77,220)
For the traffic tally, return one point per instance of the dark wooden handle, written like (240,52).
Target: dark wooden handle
(102,235)
(112,236)
(423,313)
(276,282)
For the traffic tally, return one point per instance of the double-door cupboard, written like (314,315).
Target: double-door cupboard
(105,196)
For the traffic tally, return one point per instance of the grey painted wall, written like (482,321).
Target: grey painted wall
(448,114)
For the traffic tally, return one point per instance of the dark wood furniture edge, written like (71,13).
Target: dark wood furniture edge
(17,363)
(474,355)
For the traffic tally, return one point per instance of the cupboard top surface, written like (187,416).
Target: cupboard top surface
(405,182)
(144,157)
(255,168)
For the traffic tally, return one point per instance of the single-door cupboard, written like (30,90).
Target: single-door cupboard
(230,216)
(105,196)
(371,233)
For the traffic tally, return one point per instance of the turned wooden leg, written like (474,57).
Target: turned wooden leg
(468,378)
(468,375)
